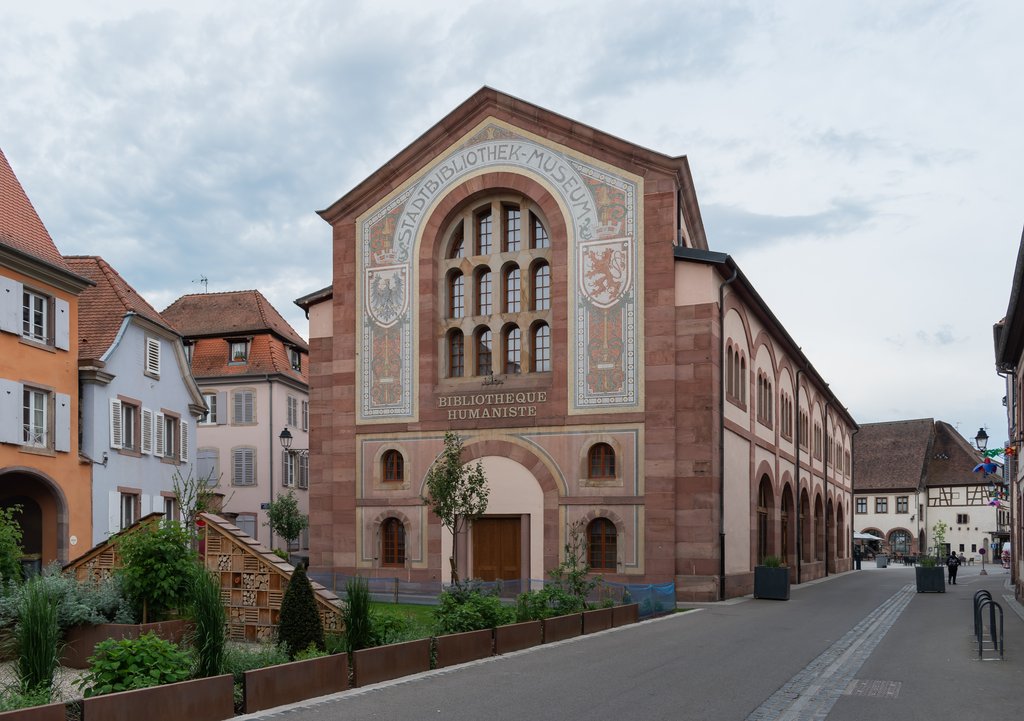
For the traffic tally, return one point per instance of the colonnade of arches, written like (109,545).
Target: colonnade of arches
(821,523)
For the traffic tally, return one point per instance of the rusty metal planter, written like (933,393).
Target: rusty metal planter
(600,619)
(623,615)
(49,712)
(80,641)
(384,663)
(517,636)
(559,628)
(456,648)
(205,699)
(290,682)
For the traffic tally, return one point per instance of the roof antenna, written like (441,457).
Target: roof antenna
(203,281)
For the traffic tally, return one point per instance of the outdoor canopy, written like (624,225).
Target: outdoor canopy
(858,536)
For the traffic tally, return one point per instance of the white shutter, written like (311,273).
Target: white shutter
(222,408)
(153,356)
(62,421)
(11,399)
(10,305)
(61,324)
(305,415)
(116,430)
(158,432)
(147,431)
(236,407)
(285,469)
(183,456)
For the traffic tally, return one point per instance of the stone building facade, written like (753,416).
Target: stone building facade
(546,291)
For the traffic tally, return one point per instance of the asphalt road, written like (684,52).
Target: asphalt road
(751,659)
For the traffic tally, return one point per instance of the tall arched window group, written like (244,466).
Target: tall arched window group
(498,294)
(735,374)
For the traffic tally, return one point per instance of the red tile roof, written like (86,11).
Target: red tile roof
(267,355)
(905,455)
(234,313)
(20,225)
(102,307)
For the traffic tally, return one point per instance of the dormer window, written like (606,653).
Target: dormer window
(296,359)
(238,351)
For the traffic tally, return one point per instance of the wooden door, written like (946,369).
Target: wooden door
(496,549)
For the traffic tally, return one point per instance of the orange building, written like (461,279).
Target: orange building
(40,467)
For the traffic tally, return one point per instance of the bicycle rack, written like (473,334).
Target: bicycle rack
(981,600)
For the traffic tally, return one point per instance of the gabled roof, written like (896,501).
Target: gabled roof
(953,459)
(892,455)
(267,355)
(101,308)
(20,226)
(229,314)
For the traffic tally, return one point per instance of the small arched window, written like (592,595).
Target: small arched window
(456,354)
(393,467)
(392,542)
(456,295)
(457,249)
(483,292)
(541,290)
(513,349)
(539,235)
(512,229)
(602,545)
(601,461)
(513,289)
(540,350)
(483,233)
(483,352)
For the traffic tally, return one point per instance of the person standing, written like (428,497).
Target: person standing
(952,563)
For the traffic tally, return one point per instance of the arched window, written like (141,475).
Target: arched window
(483,233)
(540,350)
(601,461)
(483,352)
(456,295)
(541,290)
(457,248)
(392,543)
(602,542)
(513,349)
(483,291)
(742,390)
(456,354)
(900,542)
(393,467)
(513,289)
(765,505)
(512,229)
(538,235)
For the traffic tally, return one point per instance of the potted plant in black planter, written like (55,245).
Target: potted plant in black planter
(930,576)
(771,579)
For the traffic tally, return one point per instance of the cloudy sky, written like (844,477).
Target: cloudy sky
(862,161)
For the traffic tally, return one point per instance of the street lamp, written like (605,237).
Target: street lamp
(286,443)
(981,440)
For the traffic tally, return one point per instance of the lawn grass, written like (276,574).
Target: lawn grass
(420,618)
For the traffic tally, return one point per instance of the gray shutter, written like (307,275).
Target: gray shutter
(159,434)
(62,429)
(222,408)
(61,324)
(284,468)
(152,360)
(237,407)
(10,305)
(206,465)
(11,402)
(184,441)
(116,429)
(147,431)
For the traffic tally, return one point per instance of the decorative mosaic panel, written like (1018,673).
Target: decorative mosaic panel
(603,221)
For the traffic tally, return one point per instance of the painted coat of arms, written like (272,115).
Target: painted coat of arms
(387,294)
(604,270)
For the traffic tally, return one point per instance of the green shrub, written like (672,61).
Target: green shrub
(470,609)
(158,567)
(311,651)
(299,623)
(209,619)
(389,628)
(771,562)
(239,658)
(14,698)
(547,602)
(38,637)
(126,664)
(928,562)
(10,544)
(78,602)
(359,631)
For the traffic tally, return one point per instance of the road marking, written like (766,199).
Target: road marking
(812,692)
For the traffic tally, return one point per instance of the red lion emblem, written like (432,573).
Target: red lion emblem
(605,272)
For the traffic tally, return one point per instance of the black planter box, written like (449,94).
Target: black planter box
(930,580)
(771,583)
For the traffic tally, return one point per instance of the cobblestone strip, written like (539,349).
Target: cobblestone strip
(812,692)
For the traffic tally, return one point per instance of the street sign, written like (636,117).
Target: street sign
(264,506)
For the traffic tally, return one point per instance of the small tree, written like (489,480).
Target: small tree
(285,519)
(939,533)
(300,624)
(10,544)
(457,494)
(195,495)
(573,573)
(158,565)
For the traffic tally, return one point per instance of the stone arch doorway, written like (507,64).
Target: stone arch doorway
(507,542)
(43,518)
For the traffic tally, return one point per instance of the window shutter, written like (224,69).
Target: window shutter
(249,414)
(237,407)
(11,399)
(147,431)
(153,356)
(207,466)
(10,305)
(116,430)
(303,471)
(222,408)
(62,420)
(238,467)
(285,476)
(61,324)
(159,434)
(183,456)
(305,415)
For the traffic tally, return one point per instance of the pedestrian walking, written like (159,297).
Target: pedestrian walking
(952,563)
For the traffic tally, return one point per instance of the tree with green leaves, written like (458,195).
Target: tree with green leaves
(456,493)
(939,534)
(300,625)
(10,544)
(158,565)
(285,519)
